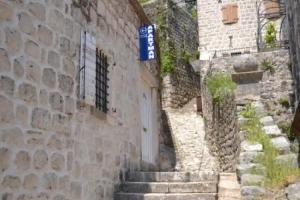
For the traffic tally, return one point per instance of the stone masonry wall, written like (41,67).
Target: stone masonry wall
(272,87)
(221,128)
(51,145)
(214,35)
(183,84)
(293,11)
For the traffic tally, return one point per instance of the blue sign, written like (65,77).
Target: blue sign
(147,42)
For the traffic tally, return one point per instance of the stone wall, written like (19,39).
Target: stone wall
(214,36)
(271,87)
(293,11)
(180,86)
(221,128)
(53,146)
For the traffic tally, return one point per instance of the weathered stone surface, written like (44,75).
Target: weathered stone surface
(33,72)
(50,181)
(65,45)
(7,196)
(246,146)
(251,180)
(54,59)
(167,158)
(272,131)
(245,63)
(7,85)
(289,159)
(260,108)
(57,162)
(248,157)
(56,101)
(5,156)
(4,61)
(13,40)
(6,110)
(6,11)
(40,159)
(55,143)
(22,160)
(282,144)
(32,49)
(49,77)
(293,191)
(69,105)
(69,28)
(31,182)
(251,168)
(12,182)
(27,92)
(22,114)
(59,197)
(43,99)
(69,67)
(267,121)
(18,68)
(26,24)
(45,35)
(65,83)
(13,137)
(252,192)
(56,20)
(76,189)
(37,10)
(40,118)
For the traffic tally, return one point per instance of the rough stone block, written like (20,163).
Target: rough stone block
(282,144)
(18,68)
(50,181)
(57,162)
(6,110)
(250,168)
(54,59)
(56,20)
(31,182)
(37,10)
(247,77)
(272,131)
(43,99)
(5,157)
(40,159)
(56,101)
(65,83)
(13,40)
(7,85)
(245,63)
(246,146)
(32,49)
(267,121)
(289,159)
(248,157)
(45,35)
(293,191)
(69,67)
(33,72)
(40,118)
(22,160)
(28,93)
(12,182)
(5,64)
(26,24)
(252,192)
(69,105)
(49,77)
(6,11)
(251,180)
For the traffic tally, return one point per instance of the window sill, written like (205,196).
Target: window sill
(82,105)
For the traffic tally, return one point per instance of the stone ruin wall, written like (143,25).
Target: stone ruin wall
(221,128)
(271,87)
(51,145)
(183,84)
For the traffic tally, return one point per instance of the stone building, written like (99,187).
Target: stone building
(61,135)
(230,27)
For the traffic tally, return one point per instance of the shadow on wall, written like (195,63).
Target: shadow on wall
(167,150)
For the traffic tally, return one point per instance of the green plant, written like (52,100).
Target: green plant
(142,2)
(284,102)
(277,174)
(248,112)
(194,13)
(267,65)
(186,56)
(168,57)
(286,127)
(270,36)
(220,86)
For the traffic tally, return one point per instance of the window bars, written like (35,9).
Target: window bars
(101,81)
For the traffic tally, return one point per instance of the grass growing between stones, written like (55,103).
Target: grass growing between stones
(278,175)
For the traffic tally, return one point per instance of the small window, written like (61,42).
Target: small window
(230,14)
(101,81)
(272,9)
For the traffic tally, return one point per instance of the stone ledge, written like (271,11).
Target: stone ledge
(247,77)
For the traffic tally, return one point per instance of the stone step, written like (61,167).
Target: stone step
(163,196)
(172,176)
(173,187)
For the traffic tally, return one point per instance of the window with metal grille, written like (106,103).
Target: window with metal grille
(101,81)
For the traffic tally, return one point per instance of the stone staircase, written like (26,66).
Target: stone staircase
(169,186)
(229,188)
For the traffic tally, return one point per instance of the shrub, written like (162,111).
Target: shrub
(277,175)
(249,112)
(168,57)
(220,86)
(267,66)
(286,127)
(270,37)
(284,102)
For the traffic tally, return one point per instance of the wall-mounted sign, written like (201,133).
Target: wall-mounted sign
(147,42)
(87,67)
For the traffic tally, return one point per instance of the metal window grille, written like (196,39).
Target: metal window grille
(101,81)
